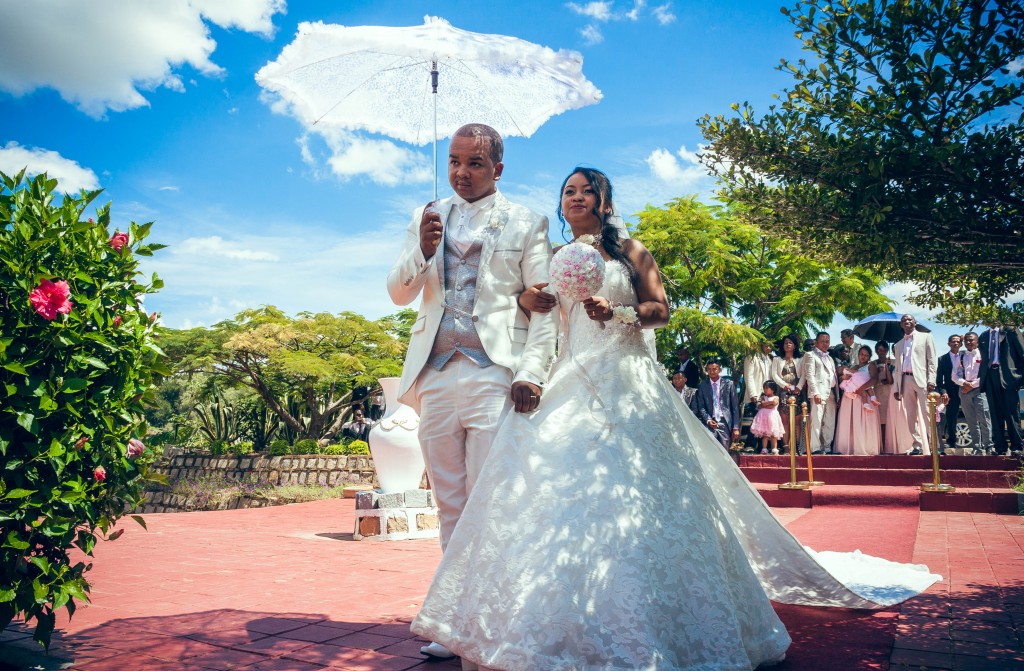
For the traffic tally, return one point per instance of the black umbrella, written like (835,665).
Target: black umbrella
(883,326)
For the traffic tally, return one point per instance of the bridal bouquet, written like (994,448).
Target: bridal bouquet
(577,271)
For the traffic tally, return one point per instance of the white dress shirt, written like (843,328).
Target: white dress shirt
(969,368)
(908,350)
(466,220)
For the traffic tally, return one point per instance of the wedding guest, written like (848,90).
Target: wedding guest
(822,384)
(767,424)
(858,430)
(883,392)
(756,371)
(687,367)
(717,405)
(376,406)
(844,353)
(1002,374)
(685,391)
(967,376)
(358,428)
(785,373)
(916,367)
(948,390)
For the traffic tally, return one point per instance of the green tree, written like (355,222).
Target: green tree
(899,146)
(77,359)
(730,286)
(304,368)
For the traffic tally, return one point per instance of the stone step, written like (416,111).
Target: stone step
(974,500)
(887,477)
(951,462)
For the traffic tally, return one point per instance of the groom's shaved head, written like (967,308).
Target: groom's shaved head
(484,132)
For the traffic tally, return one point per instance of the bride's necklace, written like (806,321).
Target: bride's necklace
(587,239)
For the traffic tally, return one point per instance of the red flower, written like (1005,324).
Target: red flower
(80,443)
(135,448)
(152,317)
(118,240)
(100,474)
(117,320)
(49,298)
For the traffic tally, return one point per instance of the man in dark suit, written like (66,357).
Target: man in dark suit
(358,428)
(949,390)
(717,405)
(687,367)
(1001,376)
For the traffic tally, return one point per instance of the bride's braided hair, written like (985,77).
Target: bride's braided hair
(610,239)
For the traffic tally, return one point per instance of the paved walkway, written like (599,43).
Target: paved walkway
(286,589)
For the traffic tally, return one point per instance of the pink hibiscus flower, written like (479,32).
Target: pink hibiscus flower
(51,298)
(135,448)
(118,240)
(100,474)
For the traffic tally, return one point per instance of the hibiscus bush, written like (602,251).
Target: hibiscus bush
(77,361)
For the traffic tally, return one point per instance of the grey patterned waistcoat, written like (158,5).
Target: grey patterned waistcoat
(457,330)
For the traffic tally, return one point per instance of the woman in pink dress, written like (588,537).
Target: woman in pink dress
(858,430)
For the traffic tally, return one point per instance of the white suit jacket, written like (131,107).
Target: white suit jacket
(515,254)
(924,361)
(820,372)
(756,371)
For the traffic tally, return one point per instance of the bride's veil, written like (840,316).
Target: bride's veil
(615,219)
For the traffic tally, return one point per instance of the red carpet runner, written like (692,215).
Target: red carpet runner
(838,638)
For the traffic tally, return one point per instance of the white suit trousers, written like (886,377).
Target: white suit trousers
(461,407)
(915,403)
(823,423)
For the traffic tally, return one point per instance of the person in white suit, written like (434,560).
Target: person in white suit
(473,354)
(821,382)
(917,364)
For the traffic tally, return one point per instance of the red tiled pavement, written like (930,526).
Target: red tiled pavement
(286,588)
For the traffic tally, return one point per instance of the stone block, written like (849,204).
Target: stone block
(302,477)
(431,503)
(286,463)
(222,464)
(332,477)
(273,477)
(321,478)
(366,500)
(331,463)
(391,500)
(189,461)
(369,526)
(425,521)
(416,498)
(397,523)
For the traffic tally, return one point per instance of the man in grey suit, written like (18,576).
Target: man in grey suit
(717,405)
(1002,375)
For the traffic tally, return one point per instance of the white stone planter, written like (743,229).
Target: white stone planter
(394,443)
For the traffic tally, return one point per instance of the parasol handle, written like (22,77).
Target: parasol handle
(433,86)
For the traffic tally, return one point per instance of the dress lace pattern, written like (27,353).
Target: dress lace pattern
(609,530)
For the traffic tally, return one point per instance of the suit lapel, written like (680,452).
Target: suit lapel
(493,229)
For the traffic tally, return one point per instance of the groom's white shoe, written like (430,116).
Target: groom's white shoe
(437,651)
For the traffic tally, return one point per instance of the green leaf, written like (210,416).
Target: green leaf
(73,384)
(42,563)
(15,367)
(14,541)
(27,421)
(19,493)
(142,522)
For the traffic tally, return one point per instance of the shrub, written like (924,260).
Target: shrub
(217,447)
(240,448)
(335,449)
(358,447)
(77,360)
(279,447)
(306,446)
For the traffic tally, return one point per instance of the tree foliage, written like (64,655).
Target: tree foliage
(899,146)
(730,286)
(73,382)
(303,368)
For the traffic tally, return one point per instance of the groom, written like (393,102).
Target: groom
(473,354)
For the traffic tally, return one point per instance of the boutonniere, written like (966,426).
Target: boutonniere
(499,217)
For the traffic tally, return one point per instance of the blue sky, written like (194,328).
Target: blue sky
(157,103)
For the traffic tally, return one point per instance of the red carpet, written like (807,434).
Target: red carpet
(839,638)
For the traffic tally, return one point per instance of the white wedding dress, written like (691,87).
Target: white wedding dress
(609,530)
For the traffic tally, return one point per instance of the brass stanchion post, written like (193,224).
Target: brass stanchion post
(810,481)
(936,485)
(792,484)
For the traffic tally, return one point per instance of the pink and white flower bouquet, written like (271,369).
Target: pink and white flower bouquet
(577,271)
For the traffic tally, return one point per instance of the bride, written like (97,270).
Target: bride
(608,529)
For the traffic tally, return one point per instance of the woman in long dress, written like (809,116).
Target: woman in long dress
(858,430)
(785,372)
(883,388)
(608,529)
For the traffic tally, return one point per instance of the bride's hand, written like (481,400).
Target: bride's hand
(535,299)
(598,308)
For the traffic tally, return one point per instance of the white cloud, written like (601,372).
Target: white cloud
(599,11)
(1016,65)
(213,278)
(591,34)
(352,155)
(70,176)
(682,169)
(169,188)
(100,55)
(664,15)
(638,6)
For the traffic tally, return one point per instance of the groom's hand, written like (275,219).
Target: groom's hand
(430,231)
(525,396)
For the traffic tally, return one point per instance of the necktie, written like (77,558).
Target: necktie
(462,236)
(718,402)
(993,346)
